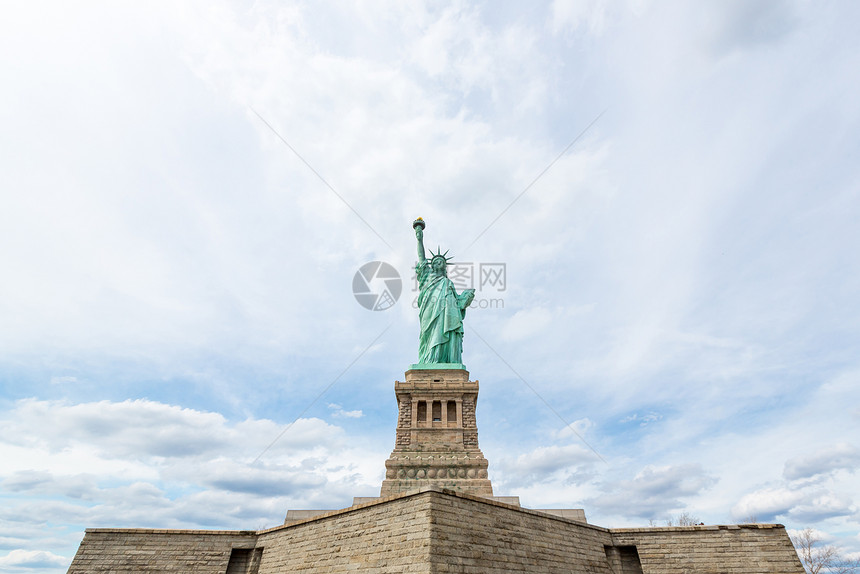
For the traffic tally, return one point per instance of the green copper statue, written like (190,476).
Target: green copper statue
(440,309)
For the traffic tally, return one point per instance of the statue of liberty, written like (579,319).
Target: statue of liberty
(440,309)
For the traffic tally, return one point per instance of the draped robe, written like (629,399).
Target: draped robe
(441,313)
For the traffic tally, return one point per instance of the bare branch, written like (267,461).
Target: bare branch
(818,559)
(683,519)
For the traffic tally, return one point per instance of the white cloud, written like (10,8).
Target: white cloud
(821,505)
(338,412)
(840,456)
(143,429)
(654,492)
(98,457)
(766,503)
(643,419)
(546,464)
(28,560)
(581,426)
(802,505)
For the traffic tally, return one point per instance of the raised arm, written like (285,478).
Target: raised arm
(419,235)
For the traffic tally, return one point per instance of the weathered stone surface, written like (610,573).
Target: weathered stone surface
(471,534)
(712,549)
(575,514)
(143,550)
(389,536)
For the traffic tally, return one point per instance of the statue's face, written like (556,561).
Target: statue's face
(438,265)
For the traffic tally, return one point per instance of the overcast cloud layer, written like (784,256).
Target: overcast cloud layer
(188,191)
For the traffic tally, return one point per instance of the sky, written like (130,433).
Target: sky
(656,202)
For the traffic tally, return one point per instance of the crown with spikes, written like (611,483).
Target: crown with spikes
(439,254)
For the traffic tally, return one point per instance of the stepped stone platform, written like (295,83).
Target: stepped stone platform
(434,530)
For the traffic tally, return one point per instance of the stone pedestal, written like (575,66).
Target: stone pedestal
(437,435)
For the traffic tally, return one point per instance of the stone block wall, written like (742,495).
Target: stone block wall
(386,537)
(738,549)
(149,551)
(469,418)
(475,535)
